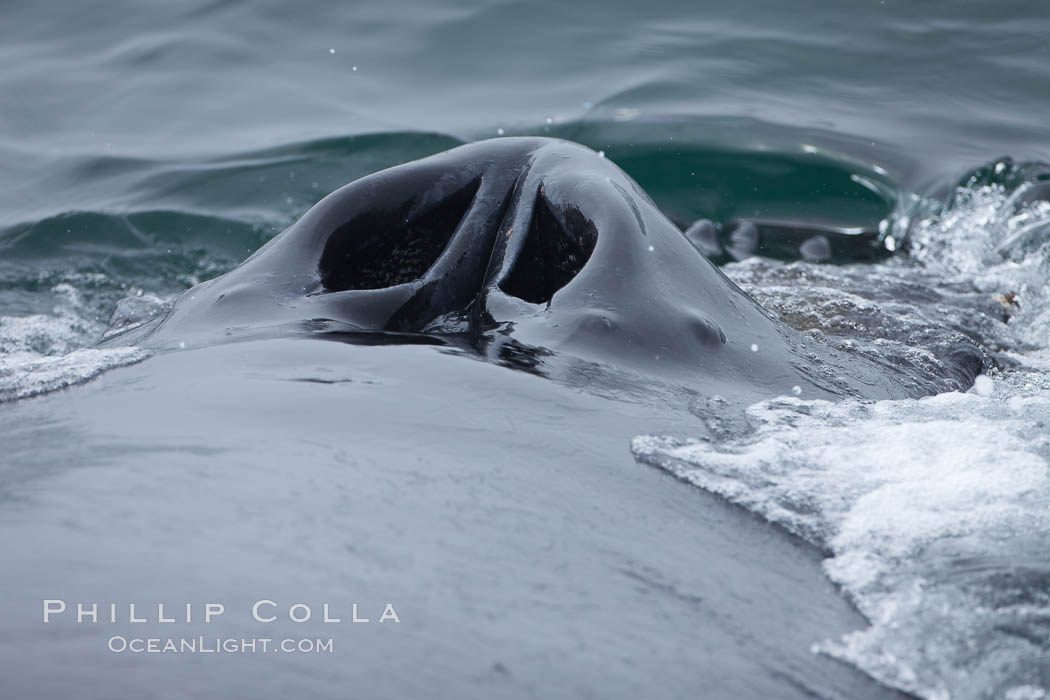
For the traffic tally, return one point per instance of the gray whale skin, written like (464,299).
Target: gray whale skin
(536,253)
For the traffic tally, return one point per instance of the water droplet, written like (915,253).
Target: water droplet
(499,131)
(331,50)
(984,385)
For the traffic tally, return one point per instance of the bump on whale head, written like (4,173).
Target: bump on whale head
(535,251)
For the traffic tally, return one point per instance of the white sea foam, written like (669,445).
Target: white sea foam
(40,353)
(61,331)
(935,513)
(25,374)
(987,240)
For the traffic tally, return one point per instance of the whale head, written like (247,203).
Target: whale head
(529,250)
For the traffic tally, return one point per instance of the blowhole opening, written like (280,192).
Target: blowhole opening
(383,248)
(555,250)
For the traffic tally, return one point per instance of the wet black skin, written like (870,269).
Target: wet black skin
(535,253)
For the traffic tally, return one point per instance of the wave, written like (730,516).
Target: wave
(40,353)
(935,512)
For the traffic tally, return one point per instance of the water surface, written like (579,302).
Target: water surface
(148,146)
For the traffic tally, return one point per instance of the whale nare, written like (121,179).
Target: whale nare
(538,253)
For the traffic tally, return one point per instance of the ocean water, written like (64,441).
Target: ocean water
(149,146)
(934,513)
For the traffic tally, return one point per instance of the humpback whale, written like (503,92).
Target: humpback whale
(474,498)
(537,253)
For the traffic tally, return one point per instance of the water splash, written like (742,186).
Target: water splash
(935,513)
(43,352)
